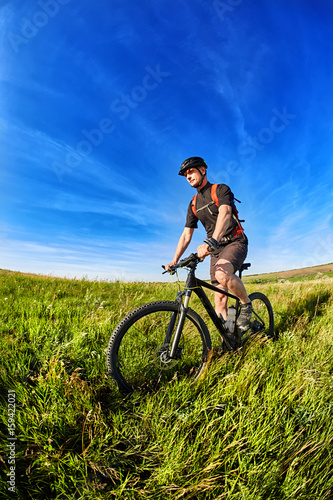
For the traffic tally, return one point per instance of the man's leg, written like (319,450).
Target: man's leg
(222,270)
(221,301)
(225,275)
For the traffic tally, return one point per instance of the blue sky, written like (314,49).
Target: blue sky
(102,101)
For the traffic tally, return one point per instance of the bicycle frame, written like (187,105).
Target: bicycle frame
(194,284)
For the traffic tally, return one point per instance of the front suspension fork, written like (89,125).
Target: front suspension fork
(180,324)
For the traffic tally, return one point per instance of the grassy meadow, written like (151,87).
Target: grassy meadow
(258,426)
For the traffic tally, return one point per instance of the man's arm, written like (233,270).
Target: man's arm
(222,222)
(183,243)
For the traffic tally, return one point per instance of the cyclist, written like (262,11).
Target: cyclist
(224,234)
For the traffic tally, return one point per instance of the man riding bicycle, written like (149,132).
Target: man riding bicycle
(226,242)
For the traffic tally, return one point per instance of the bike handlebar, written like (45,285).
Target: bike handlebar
(189,261)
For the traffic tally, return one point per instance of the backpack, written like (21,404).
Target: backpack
(238,231)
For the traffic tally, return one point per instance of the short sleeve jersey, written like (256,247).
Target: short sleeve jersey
(208,215)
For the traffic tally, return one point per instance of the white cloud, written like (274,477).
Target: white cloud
(111,260)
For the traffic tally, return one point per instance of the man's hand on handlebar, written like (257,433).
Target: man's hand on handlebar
(203,251)
(168,267)
(187,262)
(210,245)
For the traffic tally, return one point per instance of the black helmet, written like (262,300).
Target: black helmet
(193,162)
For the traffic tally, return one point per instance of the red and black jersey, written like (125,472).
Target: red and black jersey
(206,210)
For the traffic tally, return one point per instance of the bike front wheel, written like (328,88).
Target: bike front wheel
(262,320)
(139,347)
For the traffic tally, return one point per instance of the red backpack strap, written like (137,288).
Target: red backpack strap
(238,231)
(214,195)
(194,204)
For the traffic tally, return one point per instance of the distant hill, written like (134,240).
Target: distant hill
(295,273)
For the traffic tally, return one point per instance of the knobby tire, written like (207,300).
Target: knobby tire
(137,353)
(262,320)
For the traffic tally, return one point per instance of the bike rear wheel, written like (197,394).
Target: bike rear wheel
(262,320)
(138,349)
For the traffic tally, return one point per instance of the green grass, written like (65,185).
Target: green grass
(258,426)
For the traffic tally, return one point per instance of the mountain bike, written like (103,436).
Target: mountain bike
(164,340)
